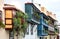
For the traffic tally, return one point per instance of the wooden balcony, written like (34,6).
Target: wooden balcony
(33,13)
(8,19)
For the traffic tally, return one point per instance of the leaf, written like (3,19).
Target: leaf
(1,24)
(18,27)
(15,21)
(26,16)
(19,14)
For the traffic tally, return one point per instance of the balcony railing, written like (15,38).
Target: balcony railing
(45,21)
(50,28)
(56,30)
(48,23)
(52,25)
(45,31)
(35,18)
(42,33)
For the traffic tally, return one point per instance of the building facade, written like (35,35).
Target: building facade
(51,24)
(33,20)
(40,22)
(42,28)
(3,33)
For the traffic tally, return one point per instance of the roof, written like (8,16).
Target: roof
(28,3)
(8,6)
(52,18)
(12,7)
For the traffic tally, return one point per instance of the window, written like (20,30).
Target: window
(8,21)
(11,35)
(27,30)
(8,26)
(32,29)
(41,37)
(45,37)
(8,14)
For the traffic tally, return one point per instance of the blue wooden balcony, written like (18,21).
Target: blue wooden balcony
(44,19)
(42,30)
(45,22)
(33,13)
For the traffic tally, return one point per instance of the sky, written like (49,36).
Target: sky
(51,5)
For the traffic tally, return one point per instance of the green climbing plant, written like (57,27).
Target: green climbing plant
(37,16)
(20,26)
(1,24)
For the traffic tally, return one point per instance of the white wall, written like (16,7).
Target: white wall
(29,36)
(34,36)
(59,32)
(1,4)
(4,34)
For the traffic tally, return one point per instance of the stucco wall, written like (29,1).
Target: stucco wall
(34,36)
(4,34)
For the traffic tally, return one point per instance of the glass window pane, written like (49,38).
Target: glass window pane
(27,30)
(8,26)
(32,29)
(8,14)
(11,35)
(8,21)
